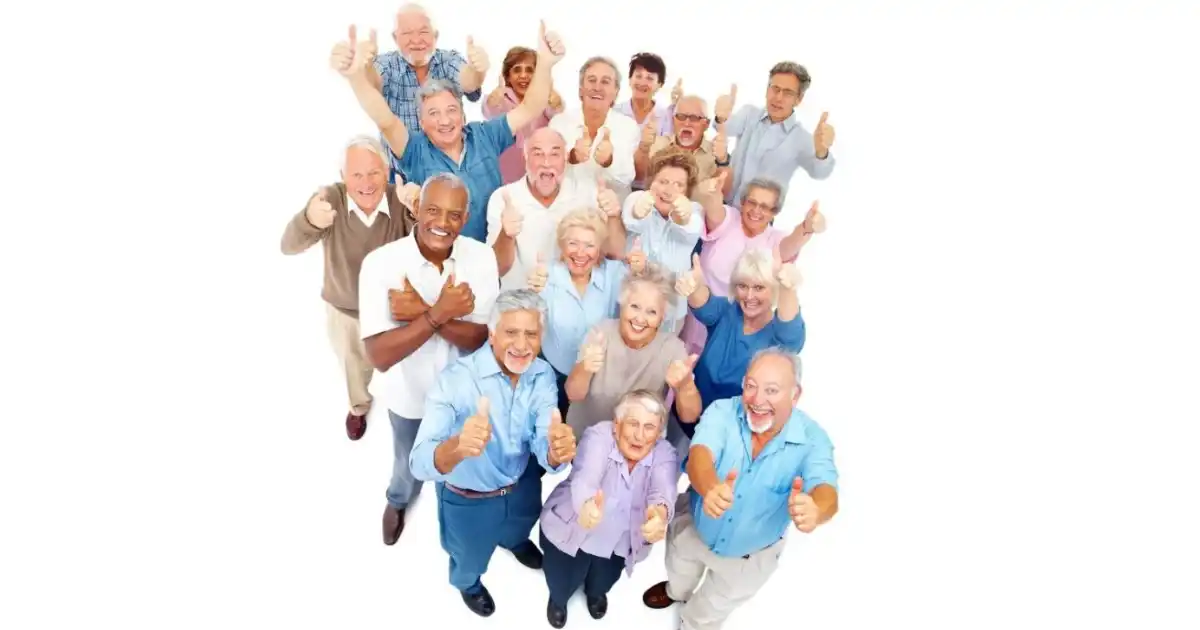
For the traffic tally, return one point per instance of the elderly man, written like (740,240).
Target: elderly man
(445,142)
(523,216)
(400,73)
(488,493)
(602,140)
(691,121)
(350,219)
(756,465)
(771,142)
(424,302)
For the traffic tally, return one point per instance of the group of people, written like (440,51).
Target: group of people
(597,289)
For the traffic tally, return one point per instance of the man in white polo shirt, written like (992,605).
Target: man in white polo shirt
(523,216)
(424,301)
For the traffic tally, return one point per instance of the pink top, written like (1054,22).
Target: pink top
(724,245)
(512,161)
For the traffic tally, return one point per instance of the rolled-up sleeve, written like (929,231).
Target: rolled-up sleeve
(437,426)
(587,472)
(818,467)
(545,401)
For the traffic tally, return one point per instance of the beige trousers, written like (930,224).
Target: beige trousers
(348,346)
(730,582)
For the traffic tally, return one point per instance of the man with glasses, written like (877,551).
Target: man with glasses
(771,142)
(690,122)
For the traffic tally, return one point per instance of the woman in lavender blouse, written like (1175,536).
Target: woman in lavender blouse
(615,504)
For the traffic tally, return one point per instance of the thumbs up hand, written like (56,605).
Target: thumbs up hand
(650,130)
(636,259)
(562,440)
(320,213)
(823,137)
(655,527)
(687,283)
(454,302)
(725,102)
(677,92)
(410,196)
(680,372)
(511,218)
(593,511)
(406,304)
(802,508)
(681,209)
(604,150)
(343,53)
(476,431)
(814,221)
(606,198)
(364,54)
(477,57)
(582,151)
(720,497)
(591,354)
(641,207)
(786,274)
(550,45)
(540,274)
(714,187)
(720,145)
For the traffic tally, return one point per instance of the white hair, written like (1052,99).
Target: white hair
(643,398)
(412,8)
(655,276)
(450,179)
(369,143)
(517,300)
(433,87)
(783,353)
(755,265)
(767,184)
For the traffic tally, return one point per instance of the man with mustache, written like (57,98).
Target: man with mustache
(691,122)
(523,216)
(484,418)
(756,465)
(417,59)
(445,142)
(772,144)
(350,219)
(424,301)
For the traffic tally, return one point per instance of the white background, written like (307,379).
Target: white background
(1002,320)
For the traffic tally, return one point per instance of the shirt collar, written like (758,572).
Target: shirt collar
(787,123)
(382,207)
(484,360)
(599,277)
(794,432)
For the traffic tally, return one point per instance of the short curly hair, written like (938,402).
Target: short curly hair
(677,158)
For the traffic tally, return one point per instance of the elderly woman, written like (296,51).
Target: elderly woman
(729,231)
(628,353)
(763,310)
(615,503)
(516,73)
(580,288)
(665,218)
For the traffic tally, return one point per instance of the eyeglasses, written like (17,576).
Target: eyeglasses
(775,89)
(691,118)
(758,205)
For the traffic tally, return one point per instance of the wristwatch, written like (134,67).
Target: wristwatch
(720,163)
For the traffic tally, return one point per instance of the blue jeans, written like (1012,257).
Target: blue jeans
(403,487)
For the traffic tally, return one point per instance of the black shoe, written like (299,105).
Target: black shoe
(529,555)
(597,606)
(555,615)
(480,603)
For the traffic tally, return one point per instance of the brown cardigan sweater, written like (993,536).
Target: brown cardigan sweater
(346,242)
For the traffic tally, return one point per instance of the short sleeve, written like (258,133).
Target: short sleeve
(374,307)
(818,467)
(495,208)
(497,135)
(711,429)
(487,287)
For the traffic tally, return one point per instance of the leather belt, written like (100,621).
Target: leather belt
(473,494)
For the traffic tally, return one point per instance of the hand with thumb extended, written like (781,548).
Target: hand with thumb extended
(540,274)
(593,511)
(654,529)
(320,212)
(801,507)
(476,431)
(719,498)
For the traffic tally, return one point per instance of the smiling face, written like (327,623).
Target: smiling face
(644,84)
(545,160)
(769,393)
(441,217)
(758,210)
(754,296)
(521,74)
(580,250)
(415,37)
(442,119)
(783,95)
(641,314)
(598,89)
(668,183)
(517,340)
(637,432)
(365,176)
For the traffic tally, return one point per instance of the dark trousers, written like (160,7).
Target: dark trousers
(565,574)
(471,529)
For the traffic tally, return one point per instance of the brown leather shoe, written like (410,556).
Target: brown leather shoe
(656,596)
(393,524)
(356,426)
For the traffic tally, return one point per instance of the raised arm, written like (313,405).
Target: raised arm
(537,97)
(363,81)
(472,73)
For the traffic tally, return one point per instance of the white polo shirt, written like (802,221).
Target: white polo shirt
(539,227)
(404,385)
(625,134)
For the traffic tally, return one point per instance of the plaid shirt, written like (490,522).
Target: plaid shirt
(400,85)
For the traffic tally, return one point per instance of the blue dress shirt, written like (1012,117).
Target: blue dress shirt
(520,420)
(570,316)
(759,516)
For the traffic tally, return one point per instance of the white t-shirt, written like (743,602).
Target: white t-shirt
(404,385)
(625,134)
(539,226)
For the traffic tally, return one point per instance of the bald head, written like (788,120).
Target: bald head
(545,160)
(545,139)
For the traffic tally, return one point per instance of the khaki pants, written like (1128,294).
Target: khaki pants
(730,581)
(348,346)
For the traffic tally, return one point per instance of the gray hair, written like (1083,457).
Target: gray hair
(645,399)
(766,184)
(517,300)
(416,9)
(656,276)
(755,265)
(433,87)
(604,60)
(450,179)
(783,353)
(369,143)
(794,69)
(693,97)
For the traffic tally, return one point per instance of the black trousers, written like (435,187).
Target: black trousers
(565,574)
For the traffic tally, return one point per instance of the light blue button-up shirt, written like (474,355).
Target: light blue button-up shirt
(759,516)
(483,142)
(570,316)
(770,149)
(520,420)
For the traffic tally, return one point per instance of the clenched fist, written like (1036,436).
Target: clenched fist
(562,440)
(803,510)
(476,431)
(319,212)
(593,511)
(655,527)
(720,497)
